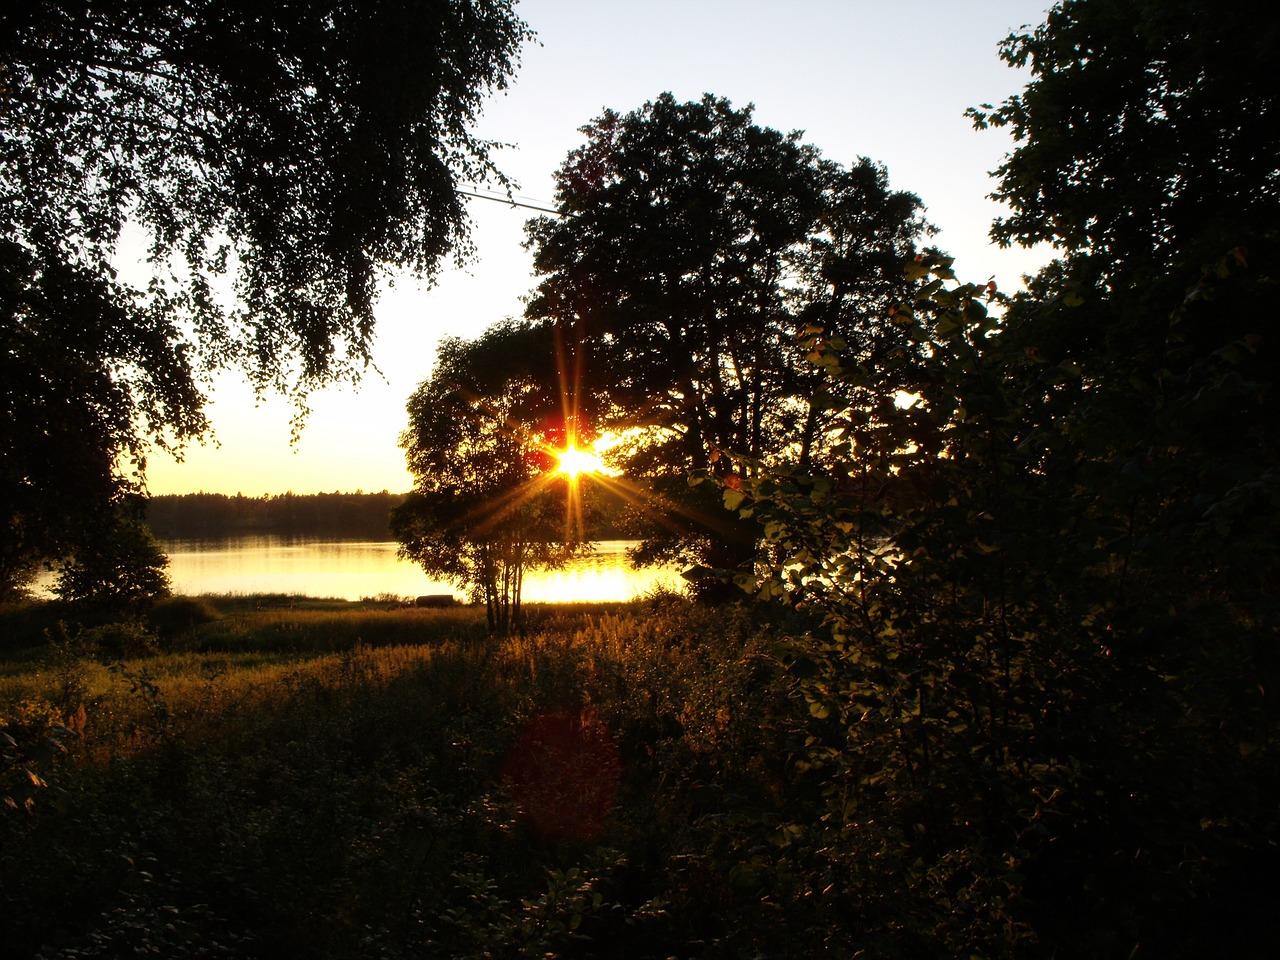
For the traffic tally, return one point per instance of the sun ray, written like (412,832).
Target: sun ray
(557,447)
(573,462)
(493,511)
(659,508)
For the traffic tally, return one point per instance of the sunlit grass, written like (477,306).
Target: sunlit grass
(318,754)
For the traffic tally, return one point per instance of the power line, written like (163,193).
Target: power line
(509,201)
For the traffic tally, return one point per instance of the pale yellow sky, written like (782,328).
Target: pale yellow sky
(870,78)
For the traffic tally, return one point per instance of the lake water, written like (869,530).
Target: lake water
(355,569)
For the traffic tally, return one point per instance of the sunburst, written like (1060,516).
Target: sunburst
(575,461)
(560,459)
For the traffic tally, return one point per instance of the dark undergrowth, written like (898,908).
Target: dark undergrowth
(330,779)
(268,777)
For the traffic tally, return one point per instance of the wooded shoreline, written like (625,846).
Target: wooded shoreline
(317,516)
(216,516)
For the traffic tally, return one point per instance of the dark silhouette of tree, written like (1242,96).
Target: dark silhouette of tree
(1147,150)
(276,158)
(485,507)
(118,569)
(692,249)
(1146,136)
(1049,587)
(1146,147)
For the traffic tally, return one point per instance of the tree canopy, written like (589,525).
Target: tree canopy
(118,570)
(1147,137)
(1146,149)
(1048,584)
(277,158)
(485,506)
(693,247)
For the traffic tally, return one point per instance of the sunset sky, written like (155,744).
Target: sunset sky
(885,80)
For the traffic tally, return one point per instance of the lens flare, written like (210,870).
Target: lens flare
(575,461)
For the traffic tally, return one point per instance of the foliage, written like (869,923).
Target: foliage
(172,617)
(362,785)
(484,506)
(691,245)
(81,376)
(1046,647)
(21,567)
(363,791)
(255,152)
(32,739)
(1041,718)
(118,567)
(1018,701)
(1129,106)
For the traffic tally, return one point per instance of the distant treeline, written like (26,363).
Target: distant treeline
(207,516)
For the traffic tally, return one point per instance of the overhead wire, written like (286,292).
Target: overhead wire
(539,205)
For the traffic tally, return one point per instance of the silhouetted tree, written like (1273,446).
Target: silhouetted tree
(118,569)
(1146,150)
(274,158)
(1145,147)
(1041,695)
(485,507)
(1145,137)
(693,248)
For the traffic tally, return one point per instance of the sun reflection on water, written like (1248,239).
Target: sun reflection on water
(601,576)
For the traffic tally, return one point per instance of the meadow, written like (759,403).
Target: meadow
(267,777)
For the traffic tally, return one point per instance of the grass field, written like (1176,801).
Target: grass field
(268,777)
(318,778)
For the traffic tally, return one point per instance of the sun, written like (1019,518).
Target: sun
(575,461)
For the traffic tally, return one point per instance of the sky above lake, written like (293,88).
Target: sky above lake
(889,81)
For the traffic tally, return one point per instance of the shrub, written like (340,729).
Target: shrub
(123,640)
(120,568)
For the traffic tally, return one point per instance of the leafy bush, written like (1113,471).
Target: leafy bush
(1030,712)
(32,739)
(118,568)
(125,639)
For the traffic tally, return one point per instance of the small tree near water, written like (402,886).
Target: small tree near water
(120,568)
(484,508)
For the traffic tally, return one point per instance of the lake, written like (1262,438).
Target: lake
(356,569)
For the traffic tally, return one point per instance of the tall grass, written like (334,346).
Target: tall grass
(355,782)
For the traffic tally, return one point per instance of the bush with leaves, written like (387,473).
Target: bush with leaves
(1035,722)
(119,569)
